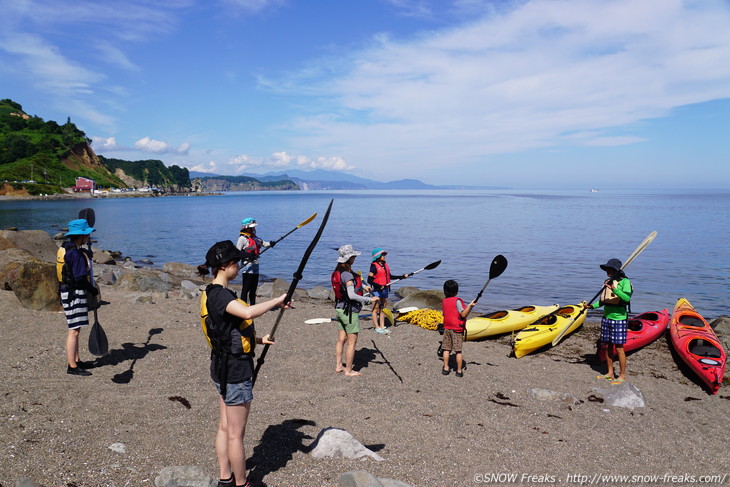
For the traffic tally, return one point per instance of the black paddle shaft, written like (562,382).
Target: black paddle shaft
(297,277)
(499,264)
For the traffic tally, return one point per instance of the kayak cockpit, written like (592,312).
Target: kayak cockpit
(704,348)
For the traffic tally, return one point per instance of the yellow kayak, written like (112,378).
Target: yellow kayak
(542,332)
(505,321)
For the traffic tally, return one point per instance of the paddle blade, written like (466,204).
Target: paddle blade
(644,244)
(308,220)
(318,321)
(407,310)
(432,265)
(499,264)
(88,215)
(98,344)
(389,316)
(566,327)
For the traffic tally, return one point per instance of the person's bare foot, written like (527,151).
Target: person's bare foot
(353,373)
(337,371)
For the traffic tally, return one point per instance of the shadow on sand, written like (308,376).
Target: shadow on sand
(130,351)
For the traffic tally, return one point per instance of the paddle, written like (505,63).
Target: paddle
(644,244)
(88,215)
(318,321)
(499,264)
(297,277)
(289,233)
(430,266)
(98,344)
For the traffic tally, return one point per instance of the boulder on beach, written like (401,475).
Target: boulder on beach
(147,280)
(184,271)
(336,442)
(422,299)
(36,242)
(34,282)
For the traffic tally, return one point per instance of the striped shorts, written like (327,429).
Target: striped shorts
(614,331)
(76,308)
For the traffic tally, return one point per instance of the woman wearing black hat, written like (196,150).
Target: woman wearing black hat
(614,298)
(228,326)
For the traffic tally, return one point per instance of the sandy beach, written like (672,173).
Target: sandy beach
(430,429)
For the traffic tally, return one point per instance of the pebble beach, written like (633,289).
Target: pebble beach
(153,396)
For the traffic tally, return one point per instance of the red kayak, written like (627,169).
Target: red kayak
(643,329)
(696,343)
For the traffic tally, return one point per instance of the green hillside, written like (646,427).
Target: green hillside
(49,154)
(152,172)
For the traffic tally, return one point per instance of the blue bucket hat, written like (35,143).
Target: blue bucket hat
(377,253)
(79,227)
(248,223)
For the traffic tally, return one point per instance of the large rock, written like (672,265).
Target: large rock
(406,291)
(103,257)
(33,281)
(279,287)
(319,292)
(147,280)
(36,242)
(184,271)
(422,299)
(336,442)
(721,324)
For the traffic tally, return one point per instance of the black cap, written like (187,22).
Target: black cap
(614,264)
(222,253)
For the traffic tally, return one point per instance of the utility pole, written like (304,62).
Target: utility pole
(31,172)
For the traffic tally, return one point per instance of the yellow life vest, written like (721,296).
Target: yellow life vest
(248,340)
(60,255)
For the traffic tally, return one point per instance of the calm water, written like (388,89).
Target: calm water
(553,240)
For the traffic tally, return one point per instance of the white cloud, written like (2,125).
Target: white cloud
(49,69)
(521,79)
(253,6)
(107,144)
(210,167)
(282,160)
(147,144)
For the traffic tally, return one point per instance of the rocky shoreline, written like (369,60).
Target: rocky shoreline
(149,408)
(88,196)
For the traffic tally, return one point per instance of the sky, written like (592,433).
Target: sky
(523,94)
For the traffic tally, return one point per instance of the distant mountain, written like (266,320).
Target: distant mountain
(245,183)
(328,180)
(199,174)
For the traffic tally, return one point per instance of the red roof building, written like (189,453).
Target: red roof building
(84,185)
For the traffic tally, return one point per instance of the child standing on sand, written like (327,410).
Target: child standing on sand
(615,297)
(348,288)
(228,326)
(455,314)
(76,289)
(379,278)
(250,243)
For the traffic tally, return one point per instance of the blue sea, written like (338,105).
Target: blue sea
(554,241)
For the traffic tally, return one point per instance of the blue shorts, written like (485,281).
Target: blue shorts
(382,294)
(614,331)
(237,394)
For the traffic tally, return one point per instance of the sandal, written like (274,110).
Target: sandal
(617,381)
(607,377)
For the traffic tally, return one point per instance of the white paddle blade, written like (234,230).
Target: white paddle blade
(649,239)
(318,321)
(407,310)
